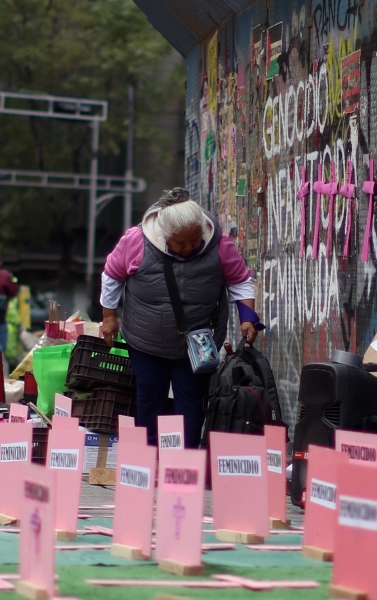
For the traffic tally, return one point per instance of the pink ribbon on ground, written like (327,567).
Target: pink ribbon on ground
(369,188)
(348,191)
(303,191)
(330,189)
(317,187)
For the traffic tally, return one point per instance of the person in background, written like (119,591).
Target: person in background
(8,289)
(209,272)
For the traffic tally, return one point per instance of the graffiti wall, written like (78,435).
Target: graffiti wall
(281,128)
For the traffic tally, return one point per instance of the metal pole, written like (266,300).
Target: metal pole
(127,212)
(92,215)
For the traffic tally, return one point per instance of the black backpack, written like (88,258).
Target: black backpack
(242,395)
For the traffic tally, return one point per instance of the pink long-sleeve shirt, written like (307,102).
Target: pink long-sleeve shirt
(127,256)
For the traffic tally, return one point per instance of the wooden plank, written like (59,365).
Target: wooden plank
(32,591)
(65,536)
(167,596)
(238,537)
(8,520)
(317,553)
(129,552)
(177,568)
(346,593)
(102,476)
(277,524)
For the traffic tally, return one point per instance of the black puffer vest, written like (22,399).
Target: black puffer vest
(148,322)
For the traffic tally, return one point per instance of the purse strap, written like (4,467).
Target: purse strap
(175,298)
(176,301)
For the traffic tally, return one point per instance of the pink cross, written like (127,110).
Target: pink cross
(348,191)
(303,191)
(369,188)
(179,513)
(36,526)
(330,189)
(317,187)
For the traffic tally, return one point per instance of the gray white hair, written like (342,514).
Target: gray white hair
(175,217)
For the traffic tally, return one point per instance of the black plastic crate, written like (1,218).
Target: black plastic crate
(99,412)
(77,394)
(39,445)
(92,363)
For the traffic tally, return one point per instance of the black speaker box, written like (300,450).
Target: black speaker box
(331,396)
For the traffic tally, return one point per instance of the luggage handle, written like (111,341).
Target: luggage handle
(369,367)
(243,343)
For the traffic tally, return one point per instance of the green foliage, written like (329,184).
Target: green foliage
(88,49)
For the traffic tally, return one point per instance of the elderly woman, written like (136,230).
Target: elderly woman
(205,264)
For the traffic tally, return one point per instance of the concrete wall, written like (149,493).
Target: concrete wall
(287,84)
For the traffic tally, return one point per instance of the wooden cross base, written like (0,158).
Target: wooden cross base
(238,537)
(277,524)
(341,591)
(65,536)
(31,590)
(7,520)
(177,568)
(102,476)
(129,552)
(317,553)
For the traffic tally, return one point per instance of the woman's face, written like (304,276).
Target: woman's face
(186,242)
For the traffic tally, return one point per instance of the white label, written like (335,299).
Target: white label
(274,461)
(323,493)
(14,452)
(239,465)
(171,441)
(358,512)
(61,412)
(64,459)
(366,453)
(137,477)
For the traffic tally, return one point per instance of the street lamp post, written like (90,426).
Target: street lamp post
(92,214)
(127,211)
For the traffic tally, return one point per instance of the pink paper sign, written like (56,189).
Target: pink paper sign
(356,530)
(359,446)
(180,506)
(135,477)
(126,421)
(239,479)
(18,413)
(171,433)
(60,422)
(37,554)
(15,452)
(135,435)
(321,495)
(276,477)
(65,455)
(63,405)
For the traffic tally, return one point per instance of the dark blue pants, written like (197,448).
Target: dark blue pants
(153,377)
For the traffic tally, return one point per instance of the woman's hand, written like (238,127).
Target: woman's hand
(109,326)
(249,332)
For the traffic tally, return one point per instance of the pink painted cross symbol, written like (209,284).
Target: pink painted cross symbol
(369,188)
(302,192)
(179,513)
(36,526)
(330,189)
(317,188)
(348,191)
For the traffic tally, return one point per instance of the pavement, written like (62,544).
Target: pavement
(100,496)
